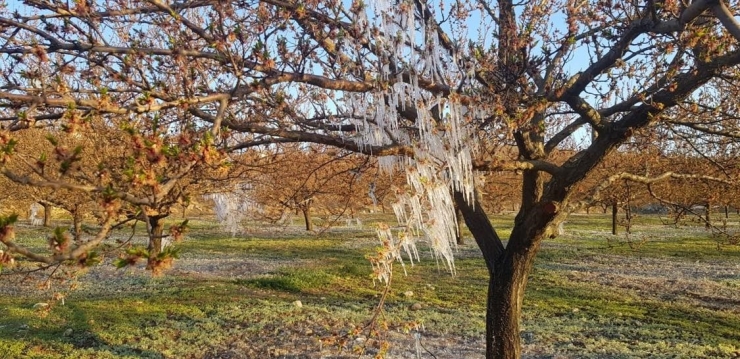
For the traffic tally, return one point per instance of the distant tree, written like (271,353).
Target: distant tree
(35,147)
(622,194)
(695,197)
(312,179)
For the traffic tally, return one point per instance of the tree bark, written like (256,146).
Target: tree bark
(156,230)
(506,288)
(459,218)
(47,214)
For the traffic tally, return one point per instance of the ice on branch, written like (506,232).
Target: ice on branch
(390,252)
(232,207)
(441,135)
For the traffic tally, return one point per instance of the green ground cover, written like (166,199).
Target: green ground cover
(674,295)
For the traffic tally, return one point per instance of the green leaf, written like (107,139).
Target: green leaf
(8,220)
(121,263)
(93,258)
(52,140)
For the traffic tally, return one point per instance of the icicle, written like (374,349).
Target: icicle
(443,148)
(231,208)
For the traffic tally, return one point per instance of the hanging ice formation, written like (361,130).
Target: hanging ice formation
(440,137)
(231,208)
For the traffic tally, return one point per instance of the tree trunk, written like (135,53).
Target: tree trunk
(77,222)
(47,214)
(459,218)
(708,219)
(504,308)
(508,271)
(727,211)
(615,212)
(156,229)
(307,217)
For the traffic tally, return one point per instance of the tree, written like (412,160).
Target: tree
(33,142)
(311,178)
(124,171)
(695,196)
(433,92)
(622,194)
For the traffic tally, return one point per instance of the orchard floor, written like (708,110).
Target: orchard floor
(662,292)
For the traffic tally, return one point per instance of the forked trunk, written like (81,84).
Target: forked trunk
(508,273)
(156,228)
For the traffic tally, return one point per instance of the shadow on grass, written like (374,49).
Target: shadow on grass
(36,333)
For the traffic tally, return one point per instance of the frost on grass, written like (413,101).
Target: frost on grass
(441,138)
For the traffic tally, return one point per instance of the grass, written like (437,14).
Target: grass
(590,295)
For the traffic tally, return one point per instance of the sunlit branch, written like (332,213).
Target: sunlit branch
(26,180)
(102,106)
(704,129)
(60,12)
(182,19)
(302,136)
(595,194)
(536,165)
(587,112)
(249,144)
(74,254)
